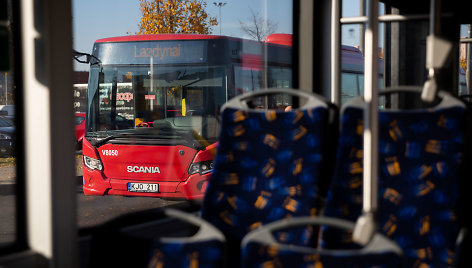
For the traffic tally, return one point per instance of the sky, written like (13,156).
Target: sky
(96,19)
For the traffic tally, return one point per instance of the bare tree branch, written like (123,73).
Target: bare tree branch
(259,27)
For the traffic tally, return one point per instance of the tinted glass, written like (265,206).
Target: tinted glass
(8,233)
(152,102)
(160,98)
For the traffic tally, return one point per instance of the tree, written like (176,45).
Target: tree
(174,16)
(259,28)
(463,64)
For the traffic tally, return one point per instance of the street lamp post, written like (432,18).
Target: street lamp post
(219,5)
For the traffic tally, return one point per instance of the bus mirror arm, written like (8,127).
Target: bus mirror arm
(77,55)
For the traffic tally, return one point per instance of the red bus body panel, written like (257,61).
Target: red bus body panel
(80,129)
(165,165)
(280,38)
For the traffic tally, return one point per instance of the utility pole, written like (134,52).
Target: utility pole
(219,5)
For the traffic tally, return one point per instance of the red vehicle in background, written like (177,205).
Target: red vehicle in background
(153,104)
(79,128)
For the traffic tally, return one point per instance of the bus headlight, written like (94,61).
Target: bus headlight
(93,163)
(201,167)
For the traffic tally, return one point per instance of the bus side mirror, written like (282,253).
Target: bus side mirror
(82,57)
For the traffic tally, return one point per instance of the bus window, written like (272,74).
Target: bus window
(280,77)
(350,86)
(247,79)
(8,194)
(152,109)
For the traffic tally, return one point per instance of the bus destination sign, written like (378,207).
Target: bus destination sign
(161,52)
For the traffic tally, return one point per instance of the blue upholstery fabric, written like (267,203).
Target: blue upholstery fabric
(419,162)
(267,168)
(208,254)
(257,255)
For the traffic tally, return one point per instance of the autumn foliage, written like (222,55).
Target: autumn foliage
(463,64)
(174,16)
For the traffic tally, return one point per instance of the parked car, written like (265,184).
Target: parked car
(7,137)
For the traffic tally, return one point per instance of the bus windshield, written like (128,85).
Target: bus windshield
(164,99)
(153,104)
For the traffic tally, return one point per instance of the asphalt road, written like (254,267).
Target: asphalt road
(91,210)
(94,210)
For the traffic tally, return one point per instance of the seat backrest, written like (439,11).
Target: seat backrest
(267,167)
(419,163)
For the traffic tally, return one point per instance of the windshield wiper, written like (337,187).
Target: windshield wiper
(190,138)
(112,137)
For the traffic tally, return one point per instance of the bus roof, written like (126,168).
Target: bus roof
(280,38)
(153,37)
(352,50)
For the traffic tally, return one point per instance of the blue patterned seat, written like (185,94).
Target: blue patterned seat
(268,167)
(205,249)
(419,163)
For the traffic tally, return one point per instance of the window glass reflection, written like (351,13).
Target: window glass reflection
(7,134)
(147,104)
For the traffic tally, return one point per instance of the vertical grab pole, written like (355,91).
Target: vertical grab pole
(151,62)
(435,17)
(468,76)
(362,26)
(335,51)
(366,224)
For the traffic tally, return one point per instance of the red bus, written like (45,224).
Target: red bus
(153,103)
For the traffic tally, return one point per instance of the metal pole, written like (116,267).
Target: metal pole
(219,5)
(6,88)
(371,116)
(335,51)
(151,62)
(467,63)
(362,27)
(366,225)
(219,8)
(434,25)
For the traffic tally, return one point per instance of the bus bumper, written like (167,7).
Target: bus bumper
(191,189)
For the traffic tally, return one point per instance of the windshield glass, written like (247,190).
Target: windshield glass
(164,99)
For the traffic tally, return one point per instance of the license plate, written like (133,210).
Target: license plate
(143,187)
